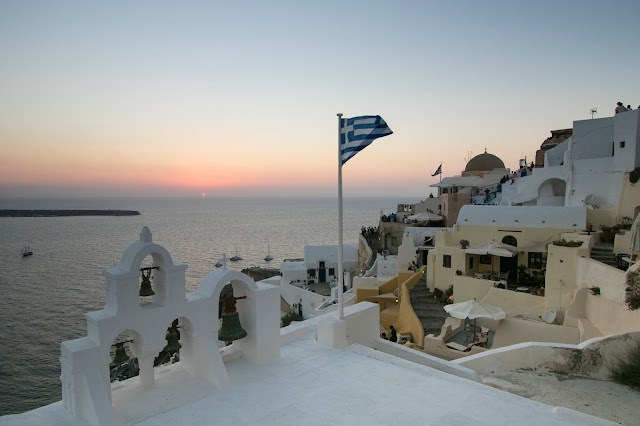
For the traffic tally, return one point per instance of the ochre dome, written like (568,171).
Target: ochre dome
(484,162)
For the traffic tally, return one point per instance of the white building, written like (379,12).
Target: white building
(322,261)
(586,169)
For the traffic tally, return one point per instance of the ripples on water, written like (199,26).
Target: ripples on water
(45,296)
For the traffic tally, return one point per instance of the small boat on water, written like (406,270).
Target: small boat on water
(268,257)
(26,251)
(236,257)
(218,264)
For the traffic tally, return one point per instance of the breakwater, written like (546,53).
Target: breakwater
(59,213)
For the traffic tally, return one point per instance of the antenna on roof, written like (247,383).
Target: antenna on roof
(593,111)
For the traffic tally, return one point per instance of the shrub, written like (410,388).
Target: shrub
(288,318)
(626,369)
(633,302)
(565,243)
(464,243)
(634,175)
(594,290)
(437,293)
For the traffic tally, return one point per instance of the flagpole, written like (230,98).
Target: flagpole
(340,253)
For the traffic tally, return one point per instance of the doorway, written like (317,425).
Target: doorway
(322,273)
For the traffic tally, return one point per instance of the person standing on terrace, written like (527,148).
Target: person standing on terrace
(620,108)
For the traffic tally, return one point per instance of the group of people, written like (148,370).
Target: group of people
(414,266)
(522,172)
(391,218)
(369,233)
(621,108)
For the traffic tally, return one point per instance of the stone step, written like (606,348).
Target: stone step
(602,252)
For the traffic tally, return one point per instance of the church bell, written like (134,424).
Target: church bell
(173,344)
(120,354)
(231,328)
(145,286)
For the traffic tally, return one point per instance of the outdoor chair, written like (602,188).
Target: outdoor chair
(621,263)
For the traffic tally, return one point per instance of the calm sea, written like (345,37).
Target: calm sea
(45,296)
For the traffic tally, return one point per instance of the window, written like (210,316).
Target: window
(332,271)
(485,259)
(322,266)
(511,240)
(535,260)
(446,261)
(311,272)
(621,144)
(471,262)
(394,241)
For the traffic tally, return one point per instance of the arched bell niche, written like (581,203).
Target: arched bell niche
(123,363)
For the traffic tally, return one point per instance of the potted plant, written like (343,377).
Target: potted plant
(608,233)
(625,223)
(464,243)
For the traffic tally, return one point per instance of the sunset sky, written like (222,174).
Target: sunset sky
(177,98)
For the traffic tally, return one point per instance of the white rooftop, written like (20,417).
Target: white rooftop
(329,254)
(524,216)
(313,384)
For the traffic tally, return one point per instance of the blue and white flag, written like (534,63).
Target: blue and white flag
(438,171)
(358,132)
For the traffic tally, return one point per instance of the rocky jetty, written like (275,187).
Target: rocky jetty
(59,213)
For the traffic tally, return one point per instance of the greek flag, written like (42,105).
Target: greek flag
(358,132)
(438,171)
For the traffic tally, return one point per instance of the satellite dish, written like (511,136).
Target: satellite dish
(550,316)
(589,199)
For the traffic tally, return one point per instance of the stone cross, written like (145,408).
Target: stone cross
(224,260)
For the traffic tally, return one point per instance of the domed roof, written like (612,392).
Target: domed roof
(484,162)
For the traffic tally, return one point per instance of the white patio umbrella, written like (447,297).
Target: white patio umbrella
(473,309)
(494,248)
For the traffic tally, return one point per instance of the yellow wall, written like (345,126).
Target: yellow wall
(408,321)
(560,282)
(597,217)
(513,301)
(364,292)
(511,331)
(468,288)
(443,277)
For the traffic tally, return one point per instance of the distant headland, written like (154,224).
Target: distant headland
(58,213)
